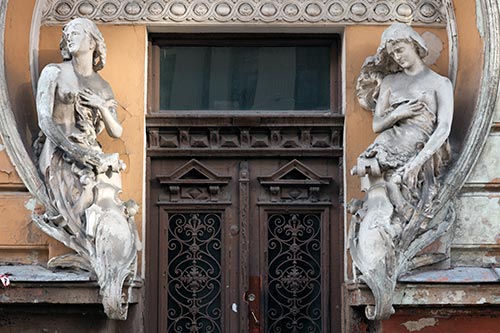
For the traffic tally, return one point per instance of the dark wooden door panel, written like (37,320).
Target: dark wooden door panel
(246,238)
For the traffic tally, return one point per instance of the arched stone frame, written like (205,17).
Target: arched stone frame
(474,141)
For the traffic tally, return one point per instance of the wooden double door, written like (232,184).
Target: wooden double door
(244,224)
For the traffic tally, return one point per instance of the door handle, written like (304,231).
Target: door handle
(257,322)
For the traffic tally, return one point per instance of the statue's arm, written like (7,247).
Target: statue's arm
(383,118)
(45,100)
(444,98)
(113,126)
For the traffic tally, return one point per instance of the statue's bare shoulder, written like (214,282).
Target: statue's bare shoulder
(50,73)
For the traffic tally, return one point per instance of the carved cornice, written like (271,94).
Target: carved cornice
(156,12)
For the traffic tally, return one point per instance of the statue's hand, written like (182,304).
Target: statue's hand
(91,99)
(409,109)
(110,161)
(112,104)
(410,175)
(92,159)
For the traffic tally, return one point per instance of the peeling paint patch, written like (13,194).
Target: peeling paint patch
(30,204)
(456,296)
(435,46)
(416,326)
(482,300)
(2,147)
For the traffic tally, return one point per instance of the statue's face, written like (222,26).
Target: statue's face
(77,39)
(403,53)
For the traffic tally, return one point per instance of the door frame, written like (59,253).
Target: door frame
(182,122)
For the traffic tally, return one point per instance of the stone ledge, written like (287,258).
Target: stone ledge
(35,284)
(431,294)
(458,286)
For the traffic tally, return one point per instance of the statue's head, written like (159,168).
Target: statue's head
(400,33)
(382,63)
(90,29)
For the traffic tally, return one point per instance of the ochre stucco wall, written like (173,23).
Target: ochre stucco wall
(470,65)
(20,240)
(361,42)
(125,72)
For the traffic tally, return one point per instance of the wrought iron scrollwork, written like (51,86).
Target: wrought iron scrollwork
(194,272)
(294,273)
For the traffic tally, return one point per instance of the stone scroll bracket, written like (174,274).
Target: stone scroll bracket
(417,12)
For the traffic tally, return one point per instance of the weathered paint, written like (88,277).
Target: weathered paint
(486,170)
(474,255)
(432,294)
(18,21)
(478,221)
(35,273)
(418,325)
(470,64)
(455,275)
(443,320)
(20,240)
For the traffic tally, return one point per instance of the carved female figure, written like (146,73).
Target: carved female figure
(74,105)
(412,112)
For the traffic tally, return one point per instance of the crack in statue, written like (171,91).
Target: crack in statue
(400,171)
(74,105)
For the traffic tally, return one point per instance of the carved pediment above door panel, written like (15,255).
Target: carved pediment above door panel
(295,182)
(194,181)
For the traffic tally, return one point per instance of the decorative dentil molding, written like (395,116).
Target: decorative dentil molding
(247,11)
(176,138)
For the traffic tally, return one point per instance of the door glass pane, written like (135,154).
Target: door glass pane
(245,78)
(294,273)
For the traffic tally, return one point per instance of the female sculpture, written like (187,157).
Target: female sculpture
(74,105)
(413,111)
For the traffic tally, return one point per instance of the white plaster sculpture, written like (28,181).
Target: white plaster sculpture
(400,171)
(74,105)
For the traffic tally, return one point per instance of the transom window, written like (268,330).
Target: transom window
(248,73)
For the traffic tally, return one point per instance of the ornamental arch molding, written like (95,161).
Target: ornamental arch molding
(280,13)
(247,11)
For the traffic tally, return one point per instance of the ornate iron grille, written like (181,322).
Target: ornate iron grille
(294,273)
(194,273)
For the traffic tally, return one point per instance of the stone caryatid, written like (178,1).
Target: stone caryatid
(400,171)
(74,105)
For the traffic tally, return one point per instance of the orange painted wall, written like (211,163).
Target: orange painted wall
(470,64)
(18,23)
(442,319)
(125,72)
(361,42)
(20,240)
